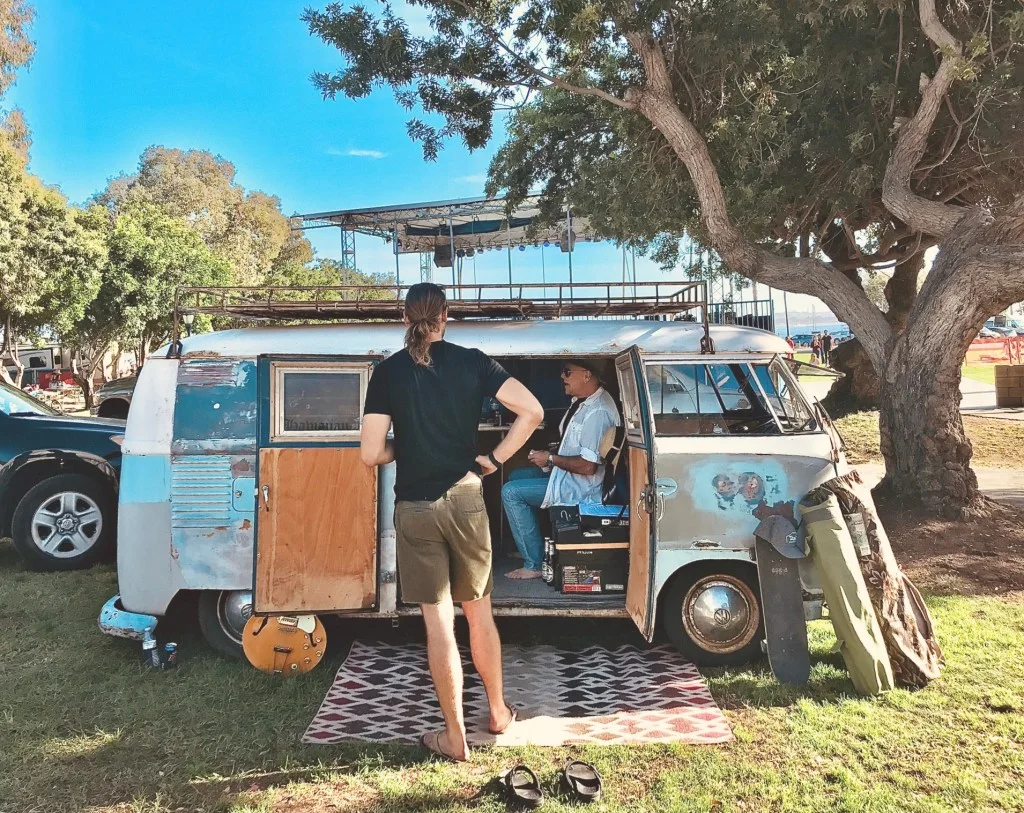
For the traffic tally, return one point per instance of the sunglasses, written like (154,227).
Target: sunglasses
(568,371)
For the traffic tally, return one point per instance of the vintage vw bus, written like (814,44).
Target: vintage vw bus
(242,480)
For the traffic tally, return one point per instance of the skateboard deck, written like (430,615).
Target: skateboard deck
(784,623)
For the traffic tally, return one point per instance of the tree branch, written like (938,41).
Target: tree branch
(931,217)
(656,102)
(529,67)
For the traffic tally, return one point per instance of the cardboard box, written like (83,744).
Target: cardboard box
(592,568)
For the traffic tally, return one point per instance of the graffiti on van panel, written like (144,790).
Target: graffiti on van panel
(751,489)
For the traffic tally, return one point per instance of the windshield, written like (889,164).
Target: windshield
(726,399)
(14,401)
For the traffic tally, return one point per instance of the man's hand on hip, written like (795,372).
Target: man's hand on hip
(485,464)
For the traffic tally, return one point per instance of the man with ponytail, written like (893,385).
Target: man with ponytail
(432,393)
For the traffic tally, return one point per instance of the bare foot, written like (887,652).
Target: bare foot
(523,573)
(437,742)
(496,727)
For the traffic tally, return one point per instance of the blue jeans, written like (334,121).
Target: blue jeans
(522,495)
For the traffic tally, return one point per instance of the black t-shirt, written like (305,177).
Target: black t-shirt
(435,412)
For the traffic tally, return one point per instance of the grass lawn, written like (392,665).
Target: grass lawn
(997,443)
(985,373)
(84,727)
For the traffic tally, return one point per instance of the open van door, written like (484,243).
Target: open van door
(636,417)
(316,503)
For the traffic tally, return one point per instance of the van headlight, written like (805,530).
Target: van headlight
(118,439)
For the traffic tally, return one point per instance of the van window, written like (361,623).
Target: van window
(725,399)
(777,383)
(318,402)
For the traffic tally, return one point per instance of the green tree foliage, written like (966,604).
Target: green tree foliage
(797,102)
(327,272)
(50,260)
(247,229)
(151,254)
(16,48)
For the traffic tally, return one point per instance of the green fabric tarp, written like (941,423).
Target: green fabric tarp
(907,628)
(834,555)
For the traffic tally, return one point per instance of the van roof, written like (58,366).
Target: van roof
(496,338)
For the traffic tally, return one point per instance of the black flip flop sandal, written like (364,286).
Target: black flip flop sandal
(522,786)
(582,781)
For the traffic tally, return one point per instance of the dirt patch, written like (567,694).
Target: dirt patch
(977,557)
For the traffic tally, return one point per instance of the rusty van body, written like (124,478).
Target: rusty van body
(242,481)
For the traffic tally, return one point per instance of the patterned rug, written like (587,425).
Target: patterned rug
(383,693)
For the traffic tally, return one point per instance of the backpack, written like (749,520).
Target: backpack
(615,486)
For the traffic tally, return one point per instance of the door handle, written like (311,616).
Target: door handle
(666,487)
(266,497)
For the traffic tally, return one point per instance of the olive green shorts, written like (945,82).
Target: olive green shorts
(444,546)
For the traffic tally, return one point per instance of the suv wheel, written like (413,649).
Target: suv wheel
(65,522)
(113,408)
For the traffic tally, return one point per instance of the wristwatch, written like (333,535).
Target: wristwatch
(494,460)
(550,458)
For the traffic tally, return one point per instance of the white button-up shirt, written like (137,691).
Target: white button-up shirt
(582,438)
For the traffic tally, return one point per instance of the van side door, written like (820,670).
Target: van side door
(316,503)
(643,532)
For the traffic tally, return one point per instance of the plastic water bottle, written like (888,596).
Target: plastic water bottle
(150,653)
(170,655)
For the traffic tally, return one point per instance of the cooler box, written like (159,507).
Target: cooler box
(612,521)
(589,522)
(584,567)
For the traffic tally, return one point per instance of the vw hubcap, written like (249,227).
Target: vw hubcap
(233,609)
(720,613)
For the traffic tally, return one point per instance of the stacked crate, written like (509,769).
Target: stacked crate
(1009,385)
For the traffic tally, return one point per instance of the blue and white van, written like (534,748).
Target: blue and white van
(242,482)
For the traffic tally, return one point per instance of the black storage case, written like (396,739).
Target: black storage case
(591,568)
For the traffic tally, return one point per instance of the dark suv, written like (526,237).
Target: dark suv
(58,482)
(114,397)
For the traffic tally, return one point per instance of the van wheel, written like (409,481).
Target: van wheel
(712,614)
(65,522)
(222,617)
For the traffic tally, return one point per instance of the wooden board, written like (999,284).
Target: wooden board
(639,541)
(316,545)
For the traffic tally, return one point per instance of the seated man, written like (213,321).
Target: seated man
(574,475)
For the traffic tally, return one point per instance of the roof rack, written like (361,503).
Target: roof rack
(493,301)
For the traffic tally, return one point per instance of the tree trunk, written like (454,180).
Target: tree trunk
(927,454)
(88,384)
(10,347)
(861,387)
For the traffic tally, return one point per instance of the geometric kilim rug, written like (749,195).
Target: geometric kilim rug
(383,693)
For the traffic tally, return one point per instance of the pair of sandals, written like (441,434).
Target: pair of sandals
(580,780)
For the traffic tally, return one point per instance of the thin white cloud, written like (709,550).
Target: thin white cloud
(479,180)
(357,153)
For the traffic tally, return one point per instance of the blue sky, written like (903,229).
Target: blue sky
(111,78)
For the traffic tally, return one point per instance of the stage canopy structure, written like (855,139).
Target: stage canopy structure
(451,230)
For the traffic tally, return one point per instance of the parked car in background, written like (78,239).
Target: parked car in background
(114,397)
(58,482)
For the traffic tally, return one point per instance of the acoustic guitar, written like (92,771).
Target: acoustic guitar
(285,644)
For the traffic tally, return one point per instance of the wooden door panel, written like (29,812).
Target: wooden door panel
(639,540)
(316,547)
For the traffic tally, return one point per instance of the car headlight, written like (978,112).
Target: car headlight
(118,439)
